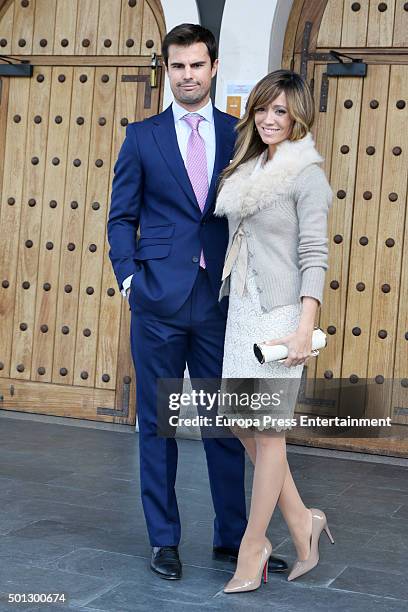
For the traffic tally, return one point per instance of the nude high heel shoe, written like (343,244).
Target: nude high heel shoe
(239,585)
(319,522)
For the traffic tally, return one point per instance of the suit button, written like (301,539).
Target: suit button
(196,259)
(203,222)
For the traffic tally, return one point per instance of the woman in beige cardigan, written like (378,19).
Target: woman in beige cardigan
(276,198)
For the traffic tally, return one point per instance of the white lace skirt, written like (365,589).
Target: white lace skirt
(246,325)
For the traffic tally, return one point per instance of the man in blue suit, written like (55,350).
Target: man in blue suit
(165,185)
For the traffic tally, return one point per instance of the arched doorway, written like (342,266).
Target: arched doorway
(361,131)
(64,347)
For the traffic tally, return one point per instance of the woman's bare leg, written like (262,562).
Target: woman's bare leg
(269,475)
(297,516)
(247,441)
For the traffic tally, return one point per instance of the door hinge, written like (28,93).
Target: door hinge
(355,68)
(10,69)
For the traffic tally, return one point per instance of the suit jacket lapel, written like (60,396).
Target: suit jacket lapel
(164,133)
(224,141)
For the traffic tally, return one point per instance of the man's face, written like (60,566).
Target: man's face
(190,73)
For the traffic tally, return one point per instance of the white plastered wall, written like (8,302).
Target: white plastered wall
(176,12)
(251,41)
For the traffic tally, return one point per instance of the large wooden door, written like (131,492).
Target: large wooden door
(361,130)
(64,331)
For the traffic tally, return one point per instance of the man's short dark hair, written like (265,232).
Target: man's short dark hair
(188,34)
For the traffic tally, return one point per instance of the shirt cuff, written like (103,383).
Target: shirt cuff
(126,285)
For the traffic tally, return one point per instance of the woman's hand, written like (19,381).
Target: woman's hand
(299,346)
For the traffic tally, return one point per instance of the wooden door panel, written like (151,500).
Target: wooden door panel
(380,24)
(98,190)
(65,27)
(390,231)
(81,27)
(6,32)
(75,203)
(322,133)
(361,131)
(55,159)
(330,32)
(130,34)
(44,30)
(365,221)
(69,328)
(341,173)
(23,26)
(12,191)
(58,400)
(87,27)
(29,245)
(64,333)
(355,22)
(400,37)
(108,27)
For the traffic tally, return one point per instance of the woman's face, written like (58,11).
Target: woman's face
(273,122)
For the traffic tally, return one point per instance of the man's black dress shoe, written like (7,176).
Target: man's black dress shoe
(222,553)
(166,562)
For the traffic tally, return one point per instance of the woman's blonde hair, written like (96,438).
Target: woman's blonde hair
(300,107)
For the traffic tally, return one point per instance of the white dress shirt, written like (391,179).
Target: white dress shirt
(206,130)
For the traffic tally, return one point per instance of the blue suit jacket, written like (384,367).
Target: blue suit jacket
(151,191)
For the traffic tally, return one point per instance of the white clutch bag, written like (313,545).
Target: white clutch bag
(279,352)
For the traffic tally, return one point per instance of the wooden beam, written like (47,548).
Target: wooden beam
(4,4)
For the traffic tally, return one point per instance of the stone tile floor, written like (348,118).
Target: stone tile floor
(71,522)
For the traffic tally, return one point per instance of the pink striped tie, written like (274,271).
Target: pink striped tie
(196,164)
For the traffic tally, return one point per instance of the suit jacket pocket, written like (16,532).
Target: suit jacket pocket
(152,251)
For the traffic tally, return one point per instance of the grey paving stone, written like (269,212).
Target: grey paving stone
(364,504)
(99,563)
(339,552)
(33,473)
(102,484)
(9,523)
(338,518)
(394,539)
(334,487)
(322,470)
(402,512)
(47,492)
(293,597)
(280,596)
(45,541)
(386,584)
(388,477)
(94,530)
(128,519)
(197,587)
(79,590)
(374,492)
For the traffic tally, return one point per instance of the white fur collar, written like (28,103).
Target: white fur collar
(244,193)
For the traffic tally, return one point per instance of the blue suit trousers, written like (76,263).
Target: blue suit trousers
(161,347)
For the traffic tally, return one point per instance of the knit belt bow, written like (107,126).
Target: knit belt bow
(238,254)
